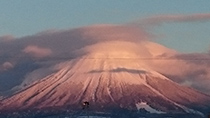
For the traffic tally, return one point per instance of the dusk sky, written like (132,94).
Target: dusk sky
(27,17)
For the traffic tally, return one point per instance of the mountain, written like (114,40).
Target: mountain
(116,69)
(112,76)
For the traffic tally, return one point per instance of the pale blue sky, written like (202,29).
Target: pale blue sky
(27,17)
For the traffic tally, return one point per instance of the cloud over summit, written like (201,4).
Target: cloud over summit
(52,48)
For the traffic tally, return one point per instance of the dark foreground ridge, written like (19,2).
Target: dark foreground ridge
(92,114)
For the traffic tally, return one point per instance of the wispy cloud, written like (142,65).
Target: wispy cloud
(37,52)
(187,69)
(6,38)
(159,19)
(6,66)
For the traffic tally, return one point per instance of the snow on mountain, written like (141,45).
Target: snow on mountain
(145,106)
(112,67)
(111,75)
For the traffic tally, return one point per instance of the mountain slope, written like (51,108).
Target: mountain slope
(111,76)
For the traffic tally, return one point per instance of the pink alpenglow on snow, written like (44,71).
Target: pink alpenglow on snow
(111,66)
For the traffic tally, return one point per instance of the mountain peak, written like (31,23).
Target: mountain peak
(113,67)
(106,84)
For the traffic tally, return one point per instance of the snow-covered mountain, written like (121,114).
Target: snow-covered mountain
(112,71)
(111,75)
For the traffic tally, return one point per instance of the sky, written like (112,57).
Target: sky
(21,18)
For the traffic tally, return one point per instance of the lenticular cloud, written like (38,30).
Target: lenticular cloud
(41,54)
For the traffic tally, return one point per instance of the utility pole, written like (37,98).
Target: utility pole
(85,106)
